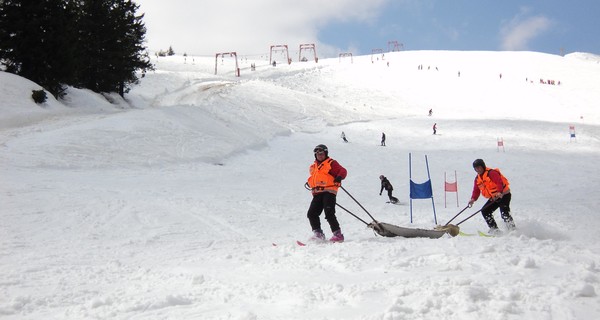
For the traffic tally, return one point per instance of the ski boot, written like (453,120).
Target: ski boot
(494,231)
(318,235)
(510,225)
(337,236)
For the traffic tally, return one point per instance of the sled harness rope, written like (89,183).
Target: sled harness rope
(373,225)
(453,229)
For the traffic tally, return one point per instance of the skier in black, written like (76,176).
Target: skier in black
(383,139)
(344,137)
(385,184)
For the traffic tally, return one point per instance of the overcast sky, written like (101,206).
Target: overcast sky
(202,27)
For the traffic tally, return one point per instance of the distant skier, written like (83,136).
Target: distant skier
(493,185)
(430,112)
(385,184)
(325,179)
(383,139)
(434,128)
(344,137)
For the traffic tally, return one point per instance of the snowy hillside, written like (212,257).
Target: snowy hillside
(185,200)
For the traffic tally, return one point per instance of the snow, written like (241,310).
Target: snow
(185,200)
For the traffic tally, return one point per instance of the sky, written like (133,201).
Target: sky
(185,199)
(359,27)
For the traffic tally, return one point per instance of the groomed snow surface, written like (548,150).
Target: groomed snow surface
(185,199)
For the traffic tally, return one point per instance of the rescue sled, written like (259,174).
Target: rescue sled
(390,230)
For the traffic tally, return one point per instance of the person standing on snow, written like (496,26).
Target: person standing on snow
(434,128)
(325,179)
(383,139)
(385,184)
(344,137)
(492,185)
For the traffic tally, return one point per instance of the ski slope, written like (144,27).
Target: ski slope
(185,200)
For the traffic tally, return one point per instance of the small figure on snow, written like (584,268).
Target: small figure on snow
(383,139)
(325,179)
(430,112)
(434,128)
(344,137)
(385,184)
(492,185)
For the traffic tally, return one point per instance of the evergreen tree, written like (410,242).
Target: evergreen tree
(91,31)
(133,56)
(94,44)
(111,45)
(35,41)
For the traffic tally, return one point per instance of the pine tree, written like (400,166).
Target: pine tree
(133,56)
(111,45)
(94,44)
(89,52)
(35,41)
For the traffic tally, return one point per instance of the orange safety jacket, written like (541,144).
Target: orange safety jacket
(320,180)
(489,187)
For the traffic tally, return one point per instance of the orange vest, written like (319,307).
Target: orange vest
(487,186)
(320,180)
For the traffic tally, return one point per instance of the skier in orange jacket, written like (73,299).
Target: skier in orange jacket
(495,187)
(325,179)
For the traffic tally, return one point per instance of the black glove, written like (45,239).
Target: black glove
(337,179)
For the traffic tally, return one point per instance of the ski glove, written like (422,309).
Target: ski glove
(337,180)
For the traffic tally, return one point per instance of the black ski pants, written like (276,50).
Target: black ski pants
(389,192)
(323,201)
(491,206)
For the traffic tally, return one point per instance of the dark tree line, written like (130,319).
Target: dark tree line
(93,44)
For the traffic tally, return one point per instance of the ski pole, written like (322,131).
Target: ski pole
(476,212)
(376,226)
(461,211)
(453,229)
(337,204)
(469,217)
(348,193)
(363,221)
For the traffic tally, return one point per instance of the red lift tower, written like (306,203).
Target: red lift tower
(345,55)
(310,46)
(394,46)
(376,51)
(280,47)
(227,54)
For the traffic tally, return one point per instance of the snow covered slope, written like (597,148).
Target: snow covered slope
(167,205)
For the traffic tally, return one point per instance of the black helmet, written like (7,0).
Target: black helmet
(321,147)
(479,163)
